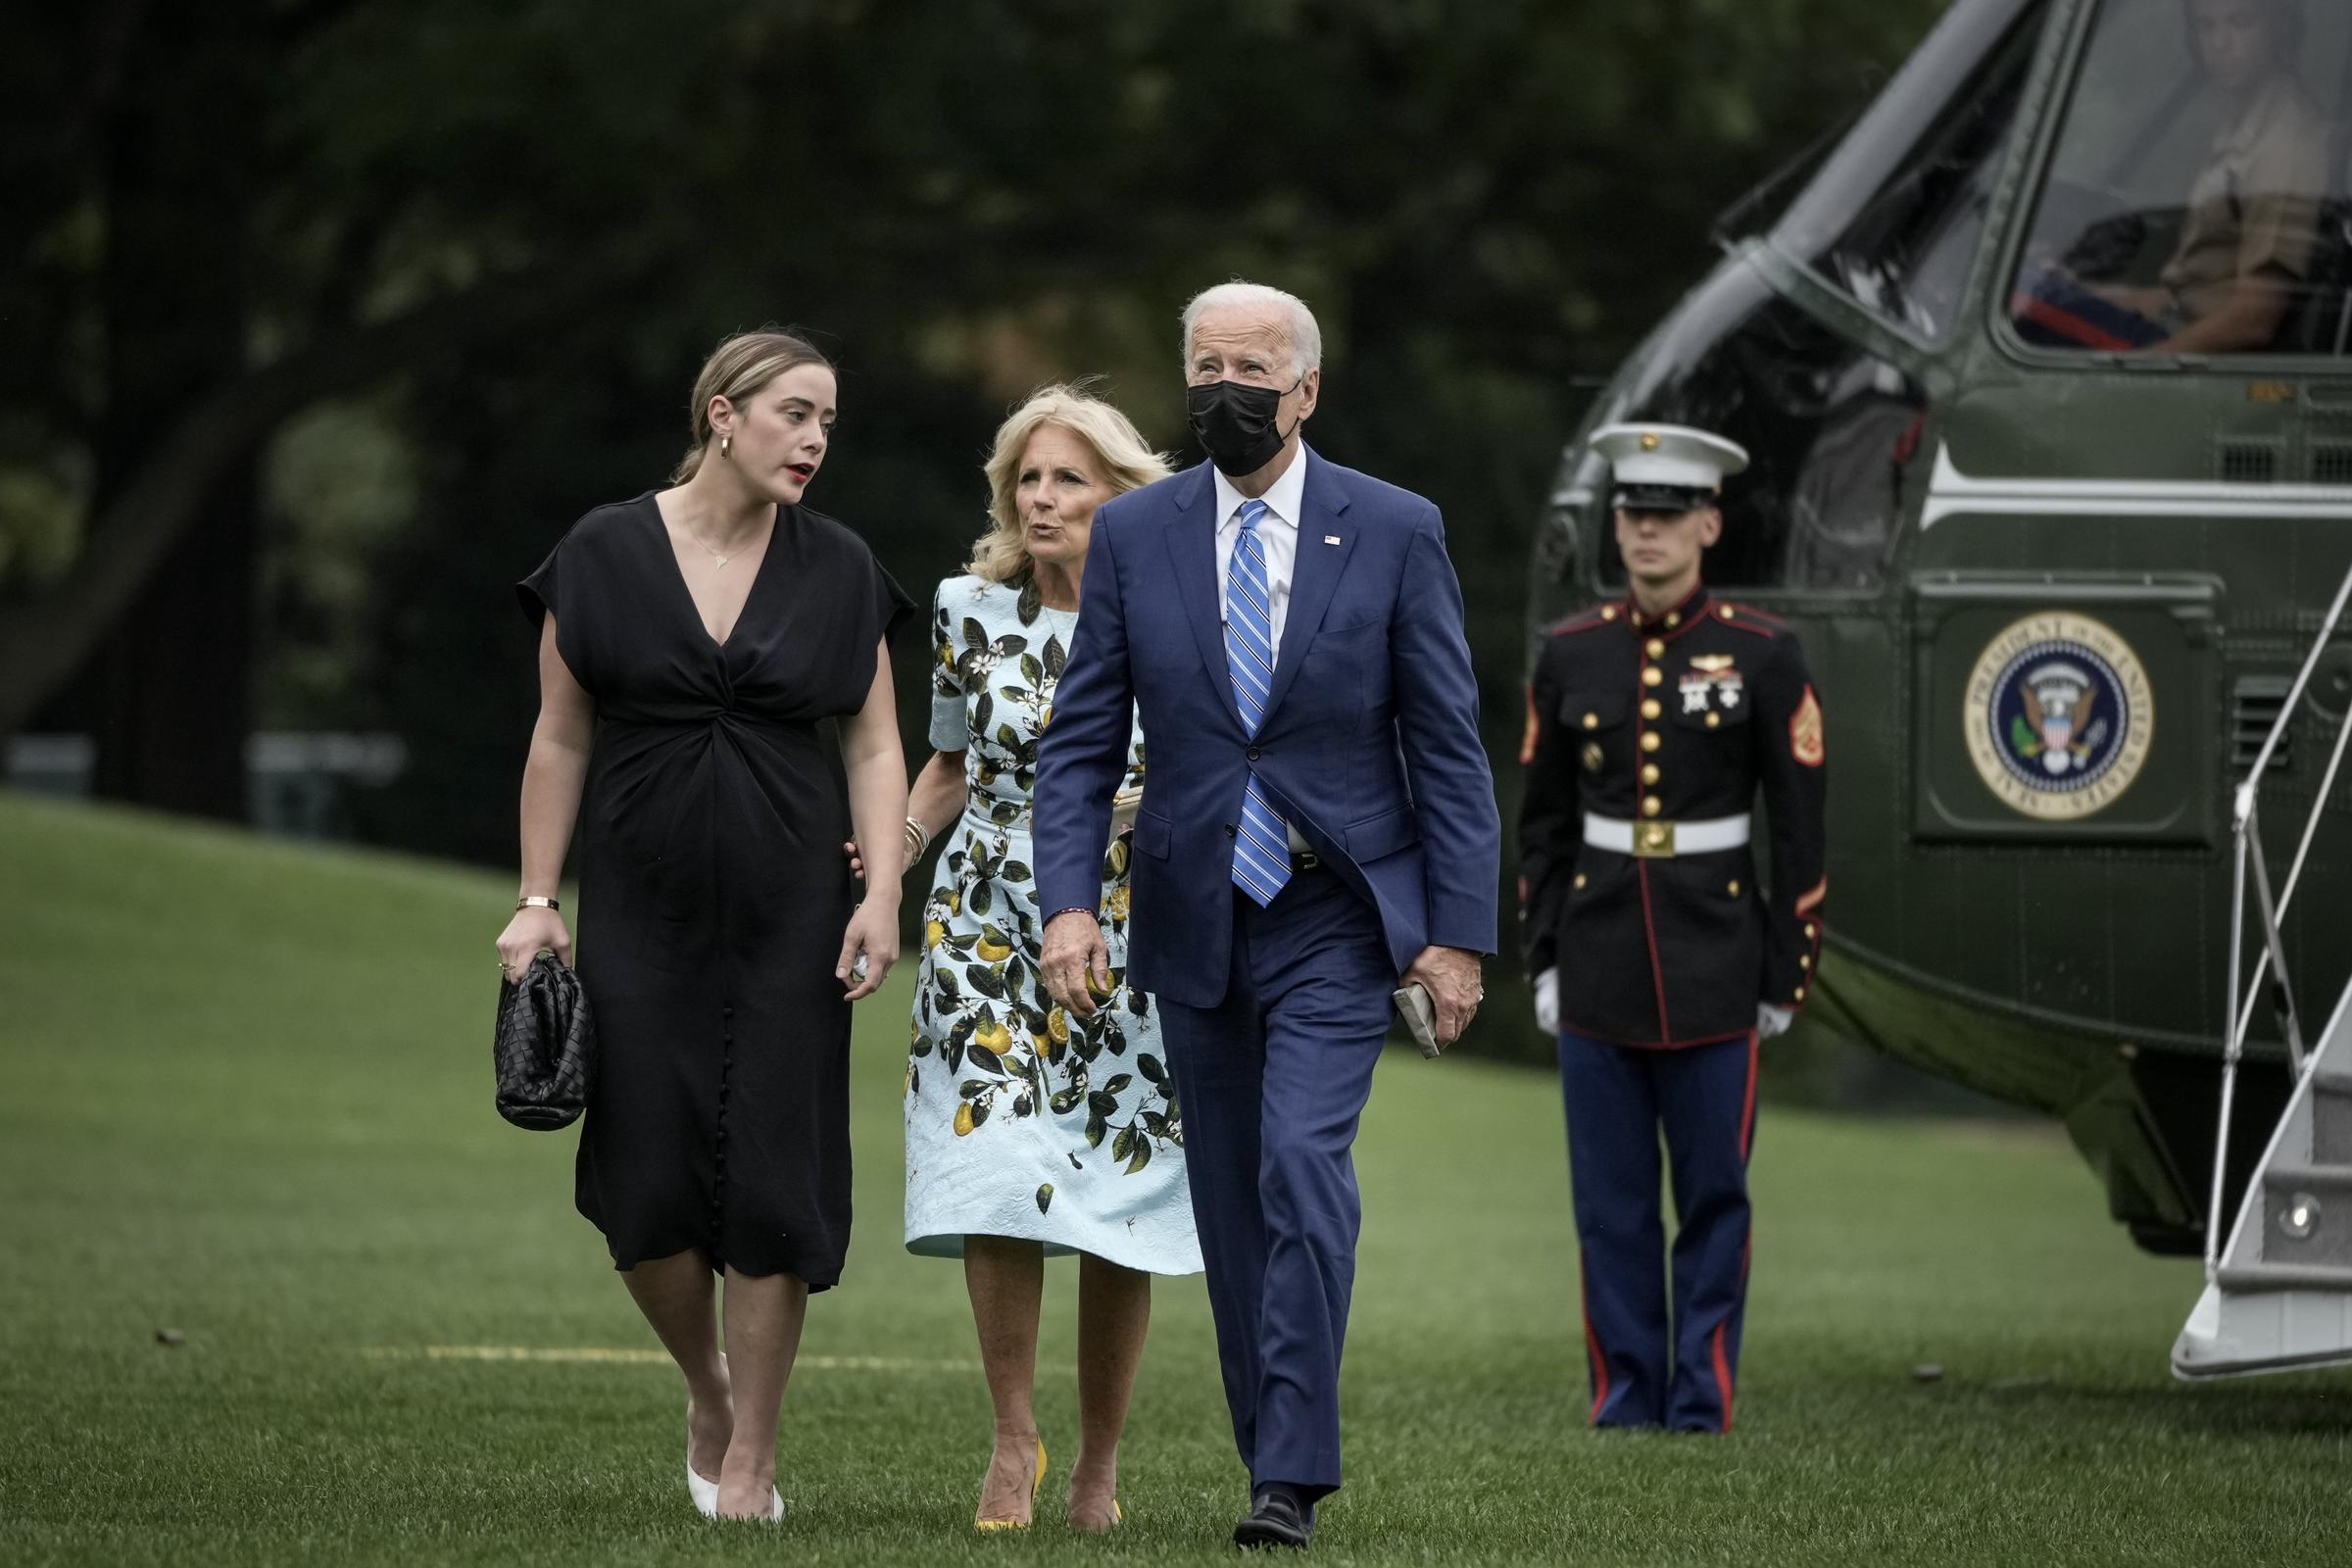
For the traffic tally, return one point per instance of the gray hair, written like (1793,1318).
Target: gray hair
(1306,338)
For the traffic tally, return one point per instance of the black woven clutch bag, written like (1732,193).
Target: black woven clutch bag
(545,1049)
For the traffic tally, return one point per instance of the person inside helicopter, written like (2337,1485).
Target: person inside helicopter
(2252,220)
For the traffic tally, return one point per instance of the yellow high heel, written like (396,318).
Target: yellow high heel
(1034,1486)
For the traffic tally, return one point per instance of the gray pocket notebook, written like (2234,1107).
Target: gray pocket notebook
(1420,1015)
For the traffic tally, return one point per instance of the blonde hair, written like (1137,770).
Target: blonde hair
(1127,460)
(736,370)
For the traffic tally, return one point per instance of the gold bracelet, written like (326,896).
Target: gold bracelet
(918,839)
(532,900)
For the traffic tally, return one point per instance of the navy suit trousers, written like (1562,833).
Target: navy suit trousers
(1272,1082)
(1705,1097)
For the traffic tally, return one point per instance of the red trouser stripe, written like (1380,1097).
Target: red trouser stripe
(1723,1376)
(1593,1350)
(1748,1135)
(2066,323)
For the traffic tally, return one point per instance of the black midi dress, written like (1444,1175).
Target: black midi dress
(713,891)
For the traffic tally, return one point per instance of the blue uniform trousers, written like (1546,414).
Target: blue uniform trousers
(1272,1081)
(1645,1372)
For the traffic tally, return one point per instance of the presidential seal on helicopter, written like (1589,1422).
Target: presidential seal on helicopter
(2061,715)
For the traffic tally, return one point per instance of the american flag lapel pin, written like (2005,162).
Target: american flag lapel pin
(1331,538)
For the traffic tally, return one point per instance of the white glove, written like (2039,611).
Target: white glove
(1772,1020)
(1547,1002)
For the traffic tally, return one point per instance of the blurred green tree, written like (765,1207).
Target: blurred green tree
(464,256)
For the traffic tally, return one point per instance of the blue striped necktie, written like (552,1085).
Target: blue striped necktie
(1261,856)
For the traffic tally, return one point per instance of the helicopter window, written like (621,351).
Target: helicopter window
(1833,436)
(1896,216)
(2197,199)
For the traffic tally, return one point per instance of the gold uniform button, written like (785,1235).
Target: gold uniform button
(1735,888)
(1649,772)
(1800,993)
(1651,707)
(1714,722)
(1725,612)
(1580,879)
(1652,805)
(1656,649)
(1674,618)
(1653,676)
(1810,932)
(1608,612)
(1592,721)
(1651,741)
(1804,960)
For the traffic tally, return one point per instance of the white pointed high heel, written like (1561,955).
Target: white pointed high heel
(703,1493)
(776,1502)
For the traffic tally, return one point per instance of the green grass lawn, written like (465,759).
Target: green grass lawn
(245,1095)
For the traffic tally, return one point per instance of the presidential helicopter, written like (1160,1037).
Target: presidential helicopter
(2046,367)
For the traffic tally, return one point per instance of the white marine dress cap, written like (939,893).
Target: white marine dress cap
(1666,468)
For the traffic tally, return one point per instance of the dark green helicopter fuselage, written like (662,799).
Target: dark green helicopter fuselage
(1959,518)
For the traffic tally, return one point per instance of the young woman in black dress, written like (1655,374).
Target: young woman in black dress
(693,643)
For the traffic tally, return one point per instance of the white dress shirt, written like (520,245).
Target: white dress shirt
(1277,535)
(1278,538)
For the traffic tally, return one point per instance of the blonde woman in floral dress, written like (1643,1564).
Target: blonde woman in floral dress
(1028,1133)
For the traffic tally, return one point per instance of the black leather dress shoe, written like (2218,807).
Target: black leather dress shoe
(1278,1517)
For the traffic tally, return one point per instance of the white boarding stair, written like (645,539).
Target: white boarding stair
(2281,1295)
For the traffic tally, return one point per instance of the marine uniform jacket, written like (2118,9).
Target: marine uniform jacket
(1660,722)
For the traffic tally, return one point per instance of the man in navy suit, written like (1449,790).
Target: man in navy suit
(1318,828)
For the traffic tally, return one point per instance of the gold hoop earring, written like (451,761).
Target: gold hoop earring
(724,443)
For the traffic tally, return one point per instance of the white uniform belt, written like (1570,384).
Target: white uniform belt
(1665,840)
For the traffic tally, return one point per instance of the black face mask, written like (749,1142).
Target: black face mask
(1235,423)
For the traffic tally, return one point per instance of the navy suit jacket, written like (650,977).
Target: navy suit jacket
(1369,747)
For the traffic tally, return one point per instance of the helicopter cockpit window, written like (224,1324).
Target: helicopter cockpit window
(2197,200)
(1896,216)
(1833,435)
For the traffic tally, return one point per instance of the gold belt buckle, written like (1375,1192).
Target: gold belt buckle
(1653,841)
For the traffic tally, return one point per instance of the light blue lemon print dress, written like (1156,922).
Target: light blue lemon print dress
(1021,1121)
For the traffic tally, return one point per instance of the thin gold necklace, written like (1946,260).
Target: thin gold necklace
(707,550)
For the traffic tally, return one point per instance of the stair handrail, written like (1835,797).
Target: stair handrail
(2247,853)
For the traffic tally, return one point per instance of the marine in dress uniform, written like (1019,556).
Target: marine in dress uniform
(1657,957)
